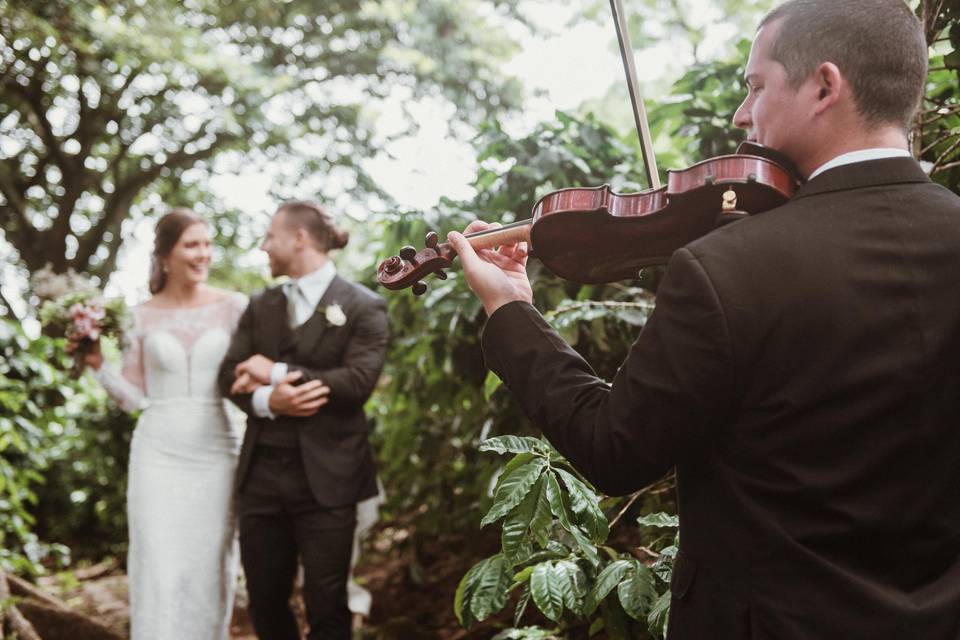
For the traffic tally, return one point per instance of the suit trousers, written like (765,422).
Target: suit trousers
(281,521)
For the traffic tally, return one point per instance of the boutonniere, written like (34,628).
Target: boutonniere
(335,315)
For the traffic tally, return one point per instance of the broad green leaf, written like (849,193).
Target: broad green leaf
(609,578)
(512,489)
(547,588)
(514,537)
(559,508)
(522,603)
(492,581)
(637,593)
(659,615)
(490,385)
(574,592)
(461,599)
(660,519)
(542,519)
(586,505)
(513,444)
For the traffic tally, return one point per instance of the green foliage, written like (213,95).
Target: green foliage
(62,458)
(937,125)
(554,554)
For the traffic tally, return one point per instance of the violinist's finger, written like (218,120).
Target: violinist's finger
(480,225)
(468,256)
(516,251)
(507,262)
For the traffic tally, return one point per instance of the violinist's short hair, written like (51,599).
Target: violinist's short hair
(878,45)
(310,216)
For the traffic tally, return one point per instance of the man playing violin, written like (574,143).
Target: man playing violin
(801,370)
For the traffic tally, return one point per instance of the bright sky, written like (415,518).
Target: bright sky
(577,61)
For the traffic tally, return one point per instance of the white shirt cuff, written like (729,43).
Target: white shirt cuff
(277,372)
(261,402)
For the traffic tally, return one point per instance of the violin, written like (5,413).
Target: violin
(593,235)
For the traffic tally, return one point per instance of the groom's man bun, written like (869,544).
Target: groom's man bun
(308,215)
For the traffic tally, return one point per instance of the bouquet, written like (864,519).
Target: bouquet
(73,308)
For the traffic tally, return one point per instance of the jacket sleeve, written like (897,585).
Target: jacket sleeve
(352,382)
(241,348)
(674,386)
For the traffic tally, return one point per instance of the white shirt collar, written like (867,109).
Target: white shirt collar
(314,284)
(860,156)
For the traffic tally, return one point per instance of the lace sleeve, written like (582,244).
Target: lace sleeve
(127,387)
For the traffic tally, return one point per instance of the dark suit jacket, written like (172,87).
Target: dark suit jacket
(802,373)
(348,359)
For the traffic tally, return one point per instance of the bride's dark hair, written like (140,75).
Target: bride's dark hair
(168,231)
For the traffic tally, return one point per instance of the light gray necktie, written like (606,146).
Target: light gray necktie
(296,302)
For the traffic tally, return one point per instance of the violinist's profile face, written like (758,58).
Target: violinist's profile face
(773,113)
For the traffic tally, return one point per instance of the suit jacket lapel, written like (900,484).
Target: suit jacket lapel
(275,325)
(339,292)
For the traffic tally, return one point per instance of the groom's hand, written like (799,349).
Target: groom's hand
(258,367)
(301,400)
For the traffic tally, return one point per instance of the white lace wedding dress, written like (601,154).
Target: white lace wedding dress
(182,560)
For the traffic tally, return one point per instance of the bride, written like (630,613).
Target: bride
(182,560)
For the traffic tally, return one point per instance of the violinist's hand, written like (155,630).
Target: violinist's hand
(497,277)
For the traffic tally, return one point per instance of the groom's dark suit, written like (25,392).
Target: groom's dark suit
(802,373)
(299,479)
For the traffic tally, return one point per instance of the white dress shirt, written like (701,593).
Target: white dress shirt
(860,156)
(301,305)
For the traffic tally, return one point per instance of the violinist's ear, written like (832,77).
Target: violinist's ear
(829,83)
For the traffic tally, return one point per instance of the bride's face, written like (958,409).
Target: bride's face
(189,261)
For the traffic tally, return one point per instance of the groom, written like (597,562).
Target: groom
(304,359)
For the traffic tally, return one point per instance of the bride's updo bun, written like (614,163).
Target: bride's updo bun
(168,231)
(317,222)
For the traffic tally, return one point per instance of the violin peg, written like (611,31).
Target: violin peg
(432,240)
(441,274)
(408,253)
(419,288)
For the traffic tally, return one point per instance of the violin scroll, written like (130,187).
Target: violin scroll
(410,267)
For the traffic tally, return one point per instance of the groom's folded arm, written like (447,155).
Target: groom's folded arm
(363,359)
(241,348)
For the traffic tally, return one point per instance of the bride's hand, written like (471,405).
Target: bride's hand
(244,384)
(89,356)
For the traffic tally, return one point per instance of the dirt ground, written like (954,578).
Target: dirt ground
(412,582)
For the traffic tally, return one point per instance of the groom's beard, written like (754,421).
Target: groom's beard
(278,267)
